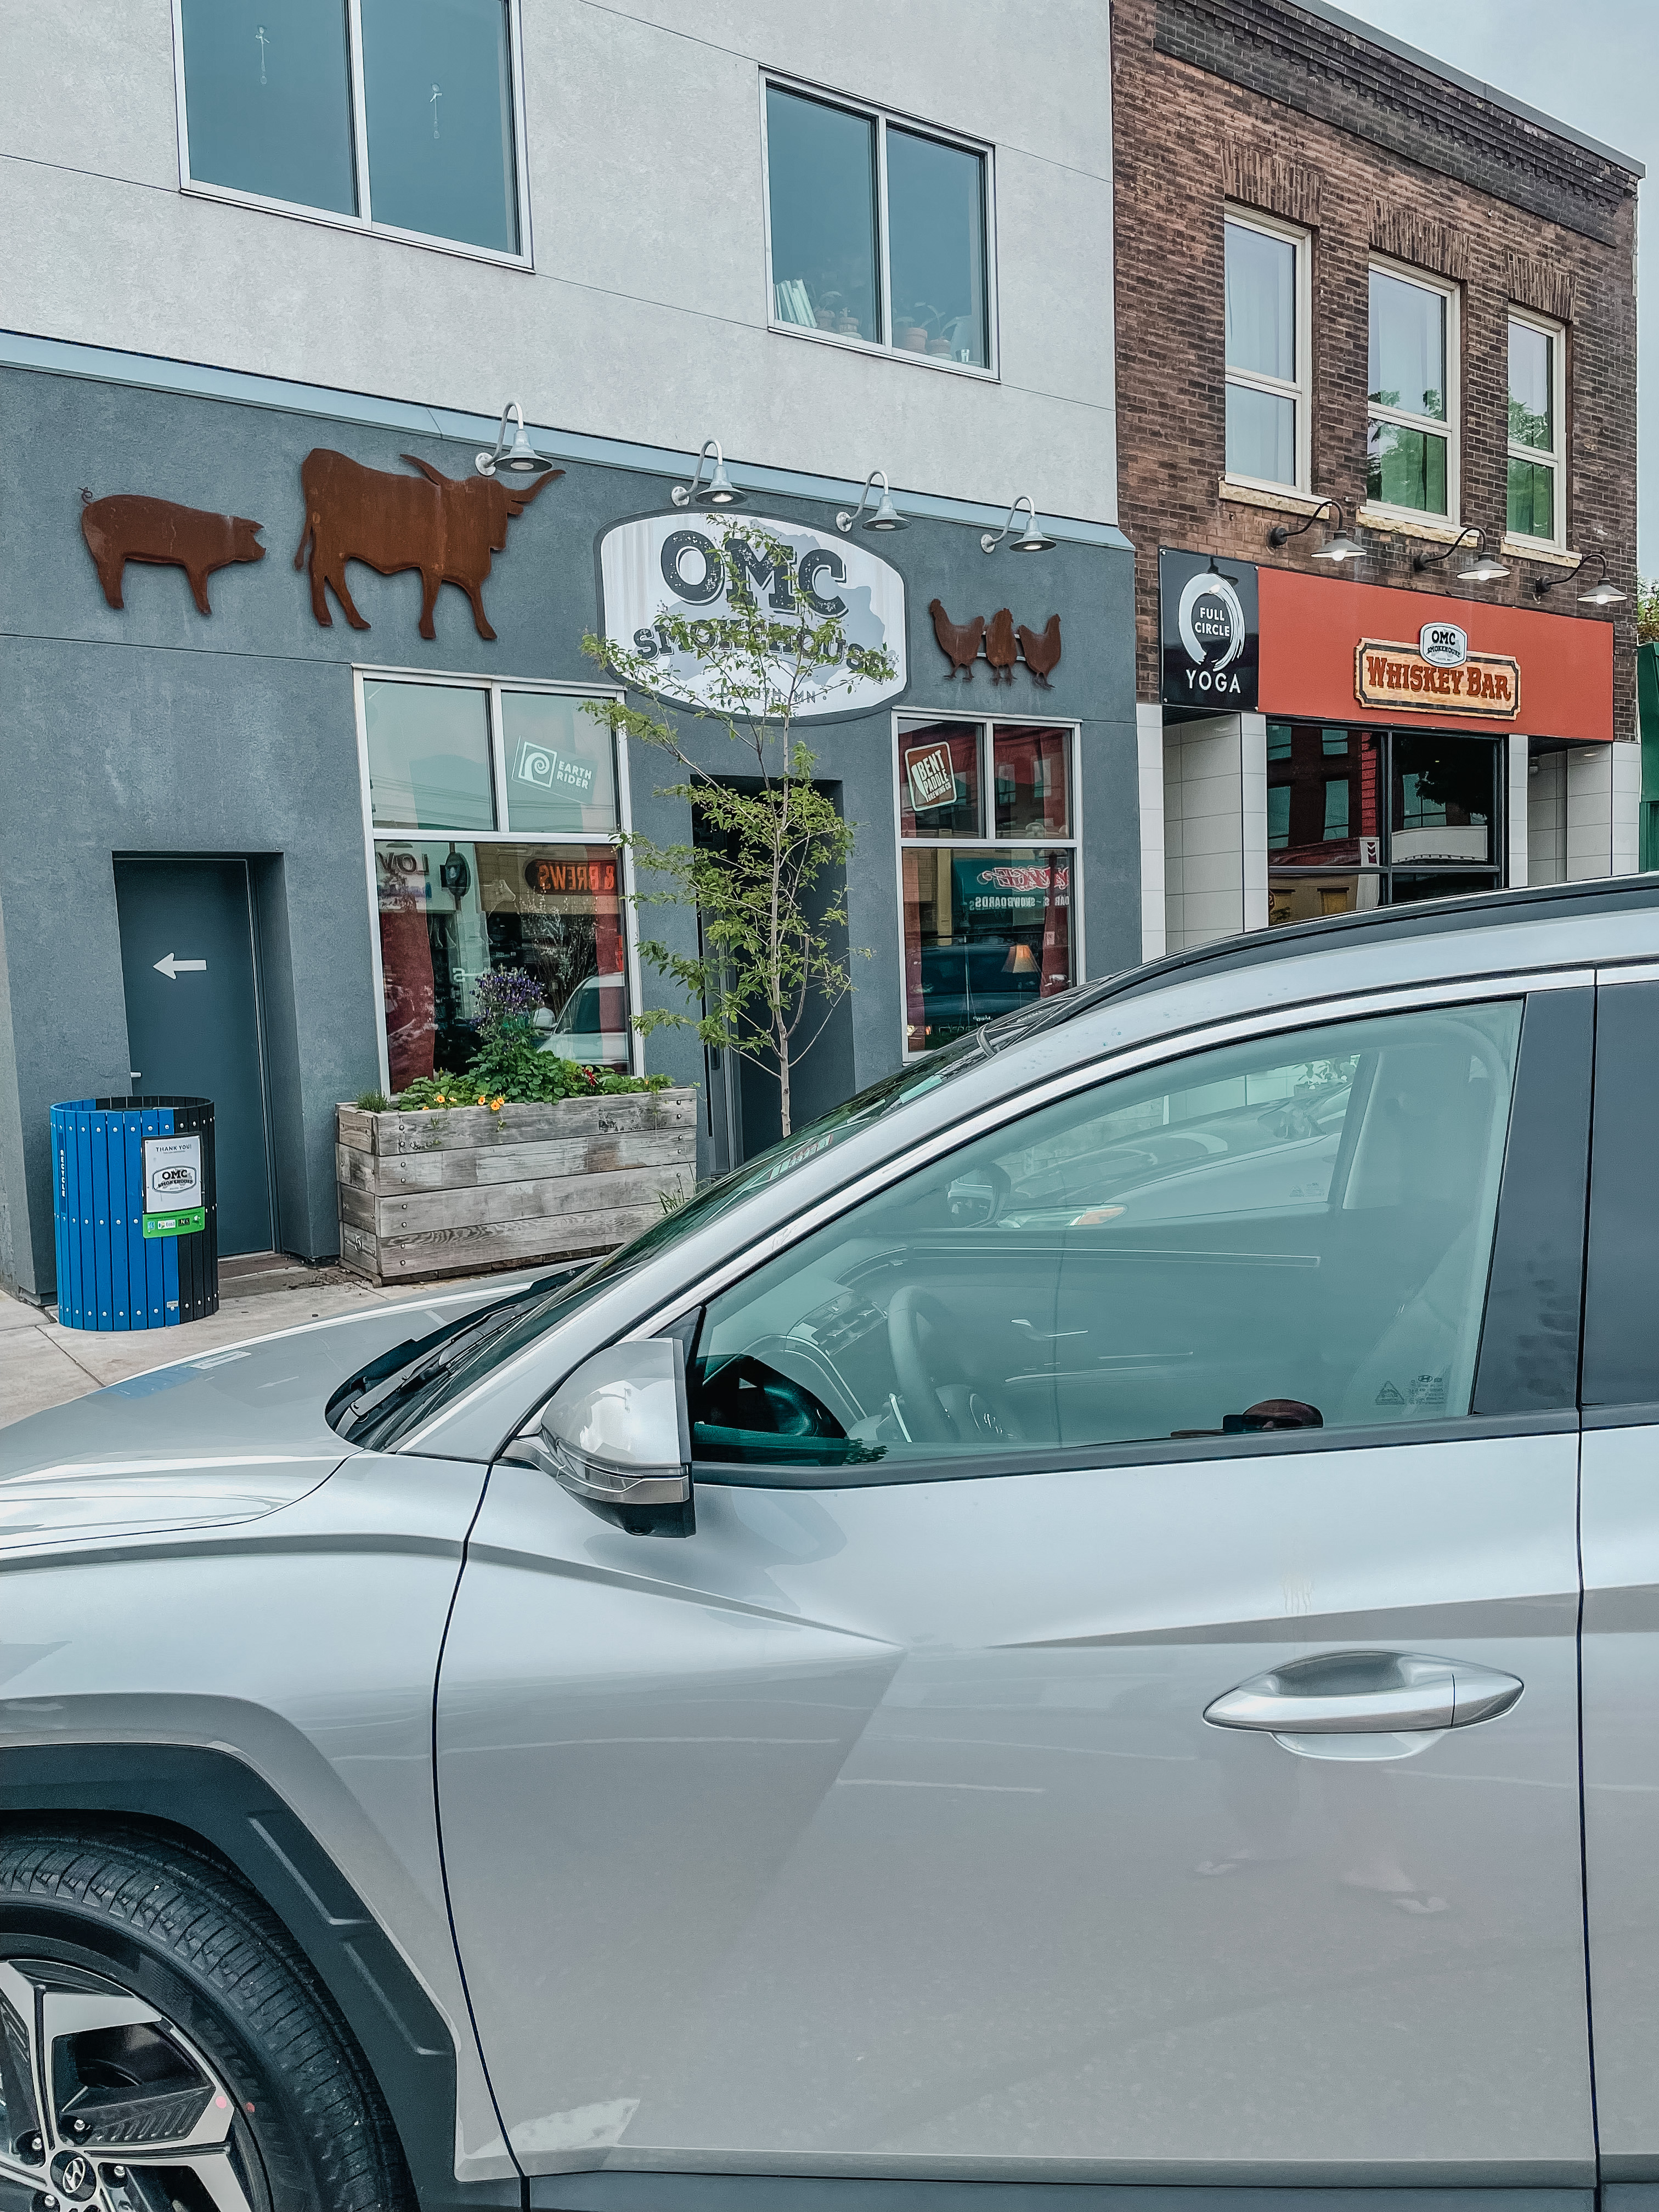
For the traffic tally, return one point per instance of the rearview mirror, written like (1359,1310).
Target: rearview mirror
(617,1436)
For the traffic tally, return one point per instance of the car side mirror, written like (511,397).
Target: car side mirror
(616,1434)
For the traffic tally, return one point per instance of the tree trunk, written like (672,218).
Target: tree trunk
(783,1085)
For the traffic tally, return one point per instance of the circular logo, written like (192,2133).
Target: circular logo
(71,2171)
(1211,621)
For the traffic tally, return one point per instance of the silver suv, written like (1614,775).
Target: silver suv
(1094,1619)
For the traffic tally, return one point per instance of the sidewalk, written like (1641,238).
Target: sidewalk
(42,1364)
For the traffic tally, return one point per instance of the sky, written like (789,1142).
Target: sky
(1592,64)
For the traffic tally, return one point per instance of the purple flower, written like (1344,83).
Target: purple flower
(505,994)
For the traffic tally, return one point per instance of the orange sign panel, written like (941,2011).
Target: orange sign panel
(1312,625)
(1392,675)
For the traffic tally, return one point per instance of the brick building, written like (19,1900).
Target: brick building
(1346,273)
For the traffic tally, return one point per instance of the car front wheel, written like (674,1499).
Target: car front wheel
(165,2048)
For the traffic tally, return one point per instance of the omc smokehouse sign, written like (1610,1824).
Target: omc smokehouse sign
(1387,674)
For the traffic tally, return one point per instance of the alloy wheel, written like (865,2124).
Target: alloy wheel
(106,2106)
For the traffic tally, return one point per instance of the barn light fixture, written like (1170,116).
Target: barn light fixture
(719,491)
(1484,568)
(1033,541)
(520,459)
(886,516)
(1338,548)
(1602,593)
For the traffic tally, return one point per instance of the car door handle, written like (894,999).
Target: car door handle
(1365,1693)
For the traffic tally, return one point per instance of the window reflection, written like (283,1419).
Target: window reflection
(821,167)
(939,780)
(269,99)
(936,215)
(428,756)
(986,932)
(451,910)
(438,89)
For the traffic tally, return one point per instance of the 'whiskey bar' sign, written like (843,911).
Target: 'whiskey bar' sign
(1393,675)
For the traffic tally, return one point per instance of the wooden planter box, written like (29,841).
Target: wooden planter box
(455,1192)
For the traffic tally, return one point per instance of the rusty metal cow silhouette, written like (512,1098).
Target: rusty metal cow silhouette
(449,527)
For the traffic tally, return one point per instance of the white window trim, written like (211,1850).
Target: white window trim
(883,348)
(1300,390)
(1450,428)
(365,225)
(374,835)
(987,725)
(1555,456)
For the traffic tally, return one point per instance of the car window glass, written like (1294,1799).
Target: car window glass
(1291,1232)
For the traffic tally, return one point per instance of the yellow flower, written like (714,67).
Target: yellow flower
(441,1100)
(482,1101)
(496,1104)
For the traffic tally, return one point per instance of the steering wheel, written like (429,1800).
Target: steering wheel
(926,1416)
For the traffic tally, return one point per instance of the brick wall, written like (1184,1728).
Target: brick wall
(1261,101)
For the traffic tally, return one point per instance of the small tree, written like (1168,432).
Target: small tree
(767,966)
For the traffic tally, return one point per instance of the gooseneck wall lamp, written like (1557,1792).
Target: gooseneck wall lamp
(1338,547)
(1033,540)
(518,459)
(885,516)
(1484,568)
(719,491)
(1602,593)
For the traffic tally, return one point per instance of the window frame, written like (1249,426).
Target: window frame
(1299,392)
(1451,427)
(987,725)
(1553,457)
(332,219)
(493,687)
(781,81)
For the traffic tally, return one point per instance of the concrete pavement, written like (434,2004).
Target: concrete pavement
(42,1364)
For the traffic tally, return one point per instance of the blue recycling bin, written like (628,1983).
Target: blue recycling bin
(134,1204)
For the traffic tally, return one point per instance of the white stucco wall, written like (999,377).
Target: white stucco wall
(645,316)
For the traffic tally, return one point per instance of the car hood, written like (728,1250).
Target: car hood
(230,1435)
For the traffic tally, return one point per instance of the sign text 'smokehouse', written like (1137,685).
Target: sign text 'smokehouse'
(1389,674)
(715,574)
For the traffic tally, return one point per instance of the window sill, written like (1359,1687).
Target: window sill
(1403,523)
(871,352)
(1239,491)
(327,219)
(1535,549)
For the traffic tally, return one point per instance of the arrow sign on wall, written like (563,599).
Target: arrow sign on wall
(172,968)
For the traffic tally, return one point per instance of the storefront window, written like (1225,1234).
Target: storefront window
(1335,848)
(452,907)
(987,872)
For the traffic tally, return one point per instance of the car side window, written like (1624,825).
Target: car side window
(1291,1232)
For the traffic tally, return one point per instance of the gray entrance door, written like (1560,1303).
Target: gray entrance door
(187,963)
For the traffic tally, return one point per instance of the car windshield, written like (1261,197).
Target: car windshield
(408,1386)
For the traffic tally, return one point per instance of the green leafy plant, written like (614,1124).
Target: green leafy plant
(372,1102)
(768,977)
(510,1068)
(1647,611)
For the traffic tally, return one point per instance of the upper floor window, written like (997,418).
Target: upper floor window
(879,233)
(1267,303)
(1536,506)
(398,113)
(1411,440)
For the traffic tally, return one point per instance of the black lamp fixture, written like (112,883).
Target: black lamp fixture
(1337,547)
(1033,541)
(885,516)
(1602,593)
(1484,568)
(518,459)
(719,491)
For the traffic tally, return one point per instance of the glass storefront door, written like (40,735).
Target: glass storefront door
(1363,817)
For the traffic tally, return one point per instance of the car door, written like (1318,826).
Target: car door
(1039,1763)
(1620,1522)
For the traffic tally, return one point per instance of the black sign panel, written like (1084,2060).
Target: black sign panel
(1210,631)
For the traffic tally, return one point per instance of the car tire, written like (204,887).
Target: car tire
(193,2063)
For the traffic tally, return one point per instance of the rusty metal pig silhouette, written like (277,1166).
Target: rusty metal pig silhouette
(449,527)
(128,527)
